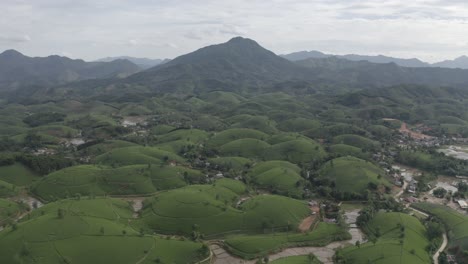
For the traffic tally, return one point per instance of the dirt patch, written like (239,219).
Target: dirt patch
(405,130)
(307,222)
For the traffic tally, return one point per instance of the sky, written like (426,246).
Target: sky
(431,30)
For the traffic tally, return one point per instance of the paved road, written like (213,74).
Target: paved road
(442,247)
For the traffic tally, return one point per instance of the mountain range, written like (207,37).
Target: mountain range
(460,62)
(18,70)
(143,63)
(240,65)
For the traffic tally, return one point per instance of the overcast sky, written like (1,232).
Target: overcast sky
(431,30)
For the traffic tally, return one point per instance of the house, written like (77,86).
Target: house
(463,204)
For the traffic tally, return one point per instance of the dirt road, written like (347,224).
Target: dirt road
(442,247)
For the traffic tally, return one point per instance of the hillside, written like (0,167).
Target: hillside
(17,70)
(367,74)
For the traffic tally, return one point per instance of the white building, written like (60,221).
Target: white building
(462,204)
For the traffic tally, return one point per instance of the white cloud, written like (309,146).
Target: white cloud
(429,29)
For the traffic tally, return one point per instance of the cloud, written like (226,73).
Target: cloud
(430,29)
(14,39)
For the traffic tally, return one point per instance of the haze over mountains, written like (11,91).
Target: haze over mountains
(238,65)
(143,63)
(17,70)
(460,62)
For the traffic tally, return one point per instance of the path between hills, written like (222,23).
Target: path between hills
(442,247)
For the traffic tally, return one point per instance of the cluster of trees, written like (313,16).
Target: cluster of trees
(40,119)
(434,162)
(44,164)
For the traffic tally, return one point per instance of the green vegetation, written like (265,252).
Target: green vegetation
(137,155)
(352,177)
(356,141)
(395,238)
(210,210)
(455,223)
(259,245)
(279,177)
(127,180)
(61,231)
(309,259)
(295,151)
(17,174)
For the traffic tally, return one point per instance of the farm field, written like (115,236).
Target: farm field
(62,230)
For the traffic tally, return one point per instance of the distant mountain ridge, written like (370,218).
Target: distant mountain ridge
(461,62)
(143,63)
(241,65)
(17,70)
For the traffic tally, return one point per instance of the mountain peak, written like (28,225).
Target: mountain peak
(11,53)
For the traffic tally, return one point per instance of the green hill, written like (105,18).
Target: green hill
(295,151)
(393,245)
(209,210)
(456,224)
(279,177)
(127,180)
(247,147)
(137,155)
(352,175)
(89,231)
(232,134)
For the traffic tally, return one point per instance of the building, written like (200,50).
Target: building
(463,204)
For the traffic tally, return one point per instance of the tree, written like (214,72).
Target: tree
(60,213)
(440,192)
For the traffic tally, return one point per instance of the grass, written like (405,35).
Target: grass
(89,231)
(7,189)
(101,180)
(295,151)
(455,223)
(247,147)
(137,155)
(210,209)
(8,210)
(347,150)
(299,124)
(232,134)
(17,174)
(189,135)
(107,146)
(258,245)
(356,141)
(236,163)
(261,123)
(278,176)
(393,245)
(352,175)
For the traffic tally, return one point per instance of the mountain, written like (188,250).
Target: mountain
(460,62)
(302,55)
(143,63)
(237,64)
(17,70)
(366,74)
(241,65)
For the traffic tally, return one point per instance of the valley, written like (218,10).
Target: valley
(232,154)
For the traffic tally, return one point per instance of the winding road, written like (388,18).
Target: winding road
(442,247)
